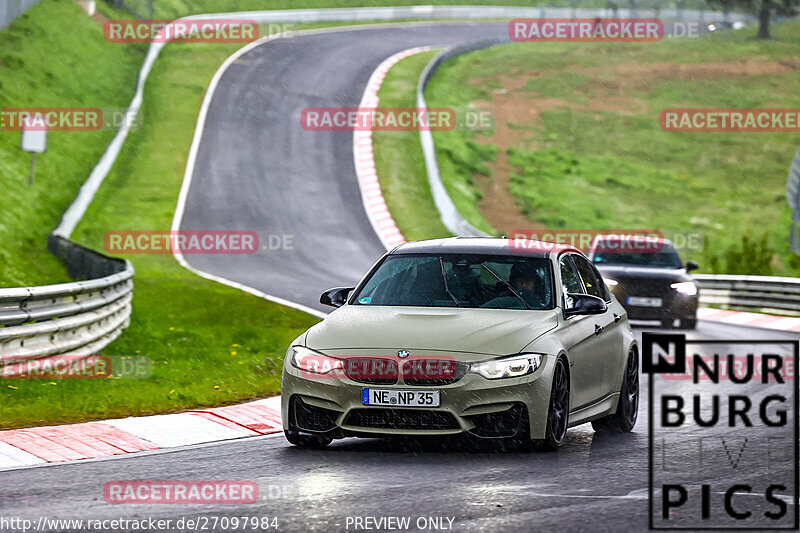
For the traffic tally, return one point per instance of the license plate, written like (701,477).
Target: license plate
(643,301)
(400,398)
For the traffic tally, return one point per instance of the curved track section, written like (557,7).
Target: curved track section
(258,169)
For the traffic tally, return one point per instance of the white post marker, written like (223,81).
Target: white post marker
(34,139)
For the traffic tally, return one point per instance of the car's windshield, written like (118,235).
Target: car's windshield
(454,280)
(666,257)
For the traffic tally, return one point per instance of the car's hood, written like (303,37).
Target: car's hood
(388,329)
(624,272)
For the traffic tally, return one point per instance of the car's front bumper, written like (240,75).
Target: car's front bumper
(500,408)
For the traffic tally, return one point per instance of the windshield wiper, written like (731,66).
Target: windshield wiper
(508,286)
(446,288)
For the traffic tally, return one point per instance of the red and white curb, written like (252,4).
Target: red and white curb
(755,320)
(90,440)
(371,193)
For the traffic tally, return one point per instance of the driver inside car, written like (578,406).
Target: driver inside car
(525,280)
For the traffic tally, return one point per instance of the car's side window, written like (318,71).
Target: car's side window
(593,283)
(606,291)
(570,282)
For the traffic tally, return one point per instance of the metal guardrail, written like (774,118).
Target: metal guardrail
(448,212)
(750,292)
(69,318)
(10,10)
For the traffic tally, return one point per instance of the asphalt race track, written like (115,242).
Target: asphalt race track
(257,169)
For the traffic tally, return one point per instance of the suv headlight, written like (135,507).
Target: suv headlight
(508,367)
(689,288)
(308,360)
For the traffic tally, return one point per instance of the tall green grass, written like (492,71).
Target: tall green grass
(586,166)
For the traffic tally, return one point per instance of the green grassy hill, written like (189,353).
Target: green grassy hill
(47,64)
(578,142)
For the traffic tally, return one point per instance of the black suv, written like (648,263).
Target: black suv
(648,278)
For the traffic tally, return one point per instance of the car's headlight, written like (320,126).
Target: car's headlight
(508,367)
(308,360)
(611,283)
(689,288)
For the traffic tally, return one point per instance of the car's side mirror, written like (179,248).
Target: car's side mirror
(691,265)
(584,304)
(335,297)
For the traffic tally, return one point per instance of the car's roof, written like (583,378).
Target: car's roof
(483,245)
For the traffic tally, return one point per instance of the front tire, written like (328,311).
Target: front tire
(306,441)
(557,411)
(624,419)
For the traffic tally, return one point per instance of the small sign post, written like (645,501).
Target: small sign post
(793,197)
(34,139)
